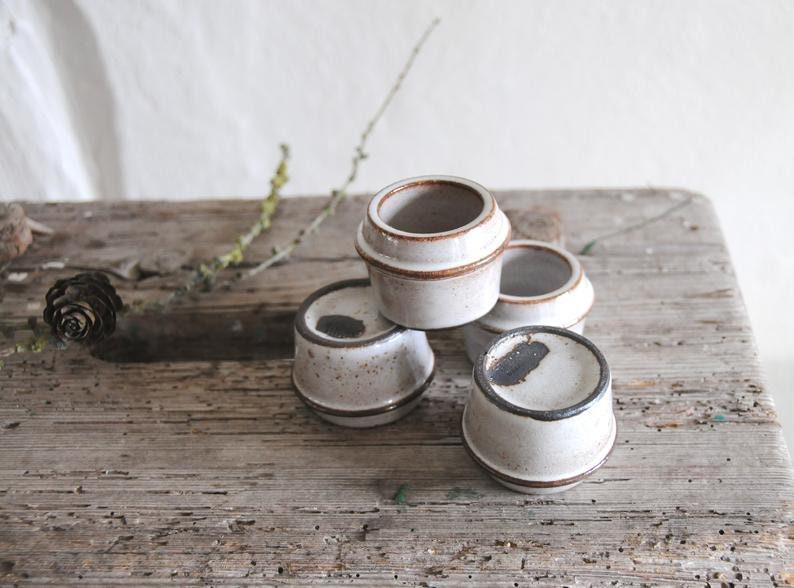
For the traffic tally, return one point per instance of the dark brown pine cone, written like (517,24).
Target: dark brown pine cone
(82,308)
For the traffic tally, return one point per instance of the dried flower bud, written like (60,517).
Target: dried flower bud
(82,308)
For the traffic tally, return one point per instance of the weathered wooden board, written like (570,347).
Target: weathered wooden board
(185,457)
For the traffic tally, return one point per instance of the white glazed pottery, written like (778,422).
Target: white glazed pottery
(541,284)
(433,248)
(352,366)
(539,417)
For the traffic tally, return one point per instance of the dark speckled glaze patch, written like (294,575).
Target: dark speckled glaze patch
(515,366)
(313,334)
(483,379)
(340,326)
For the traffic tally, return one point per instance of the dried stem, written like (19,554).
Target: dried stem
(38,342)
(340,193)
(643,223)
(206,273)
(33,344)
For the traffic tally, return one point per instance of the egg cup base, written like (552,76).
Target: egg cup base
(368,418)
(534,486)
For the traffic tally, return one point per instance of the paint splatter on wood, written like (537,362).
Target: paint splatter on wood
(401,496)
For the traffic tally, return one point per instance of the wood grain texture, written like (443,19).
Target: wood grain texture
(184,457)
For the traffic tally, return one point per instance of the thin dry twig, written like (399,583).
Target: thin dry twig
(36,343)
(340,193)
(206,273)
(643,223)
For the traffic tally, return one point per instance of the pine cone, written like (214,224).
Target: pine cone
(15,235)
(82,308)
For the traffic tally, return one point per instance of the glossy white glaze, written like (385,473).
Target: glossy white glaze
(436,304)
(433,247)
(541,284)
(370,379)
(553,449)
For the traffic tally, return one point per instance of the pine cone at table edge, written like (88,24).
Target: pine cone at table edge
(82,308)
(15,233)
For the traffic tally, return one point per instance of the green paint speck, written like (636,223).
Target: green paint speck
(720,418)
(401,495)
(587,248)
(463,493)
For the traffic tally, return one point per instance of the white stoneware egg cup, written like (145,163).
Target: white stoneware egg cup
(539,417)
(352,366)
(433,247)
(541,284)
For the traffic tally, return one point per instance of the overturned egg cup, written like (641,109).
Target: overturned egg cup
(539,417)
(433,247)
(541,284)
(353,367)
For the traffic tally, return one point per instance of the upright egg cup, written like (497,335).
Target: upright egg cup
(353,367)
(541,284)
(433,247)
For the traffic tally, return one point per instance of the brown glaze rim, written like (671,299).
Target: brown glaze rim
(482,382)
(495,331)
(557,292)
(537,483)
(369,411)
(451,272)
(307,333)
(408,236)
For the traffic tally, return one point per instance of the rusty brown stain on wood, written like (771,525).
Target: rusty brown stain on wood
(541,223)
(191,460)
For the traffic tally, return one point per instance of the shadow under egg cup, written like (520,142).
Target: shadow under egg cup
(539,417)
(433,247)
(352,366)
(541,284)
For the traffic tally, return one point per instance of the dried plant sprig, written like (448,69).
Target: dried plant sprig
(41,339)
(206,274)
(340,193)
(643,223)
(35,344)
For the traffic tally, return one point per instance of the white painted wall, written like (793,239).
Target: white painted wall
(186,99)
